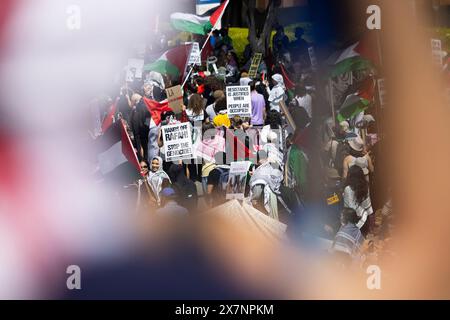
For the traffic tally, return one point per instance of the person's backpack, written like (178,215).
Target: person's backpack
(223,180)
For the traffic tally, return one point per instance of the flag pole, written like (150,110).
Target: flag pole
(204,44)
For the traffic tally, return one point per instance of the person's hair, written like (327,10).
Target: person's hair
(214,84)
(195,103)
(236,121)
(356,154)
(252,85)
(298,32)
(274,119)
(300,90)
(177,175)
(349,216)
(358,183)
(165,115)
(146,162)
(207,126)
(220,157)
(199,81)
(220,104)
(300,116)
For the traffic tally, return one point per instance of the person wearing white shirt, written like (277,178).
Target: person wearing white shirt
(304,100)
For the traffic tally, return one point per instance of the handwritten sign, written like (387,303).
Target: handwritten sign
(175,98)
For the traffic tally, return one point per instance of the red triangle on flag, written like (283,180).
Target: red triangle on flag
(156,108)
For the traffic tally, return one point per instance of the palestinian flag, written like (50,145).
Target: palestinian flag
(115,154)
(359,56)
(357,102)
(287,82)
(172,62)
(109,119)
(197,24)
(156,109)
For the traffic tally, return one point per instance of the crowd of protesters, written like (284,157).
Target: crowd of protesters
(283,180)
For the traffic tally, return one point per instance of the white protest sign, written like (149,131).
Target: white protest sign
(381,92)
(177,141)
(194,57)
(312,58)
(436,50)
(237,180)
(239,101)
(134,69)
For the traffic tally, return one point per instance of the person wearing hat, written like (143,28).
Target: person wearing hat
(359,157)
(169,204)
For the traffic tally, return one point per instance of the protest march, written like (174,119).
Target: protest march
(279,131)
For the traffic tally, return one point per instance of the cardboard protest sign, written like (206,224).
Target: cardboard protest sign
(239,101)
(175,98)
(177,141)
(288,115)
(237,180)
(194,56)
(134,69)
(256,60)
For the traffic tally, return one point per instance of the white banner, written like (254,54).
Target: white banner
(194,57)
(436,50)
(237,180)
(177,141)
(134,69)
(239,101)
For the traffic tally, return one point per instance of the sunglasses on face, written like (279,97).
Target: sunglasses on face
(144,167)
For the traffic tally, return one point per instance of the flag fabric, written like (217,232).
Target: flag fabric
(357,102)
(156,109)
(359,56)
(115,153)
(109,119)
(172,62)
(287,82)
(197,24)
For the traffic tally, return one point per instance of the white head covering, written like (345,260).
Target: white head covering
(156,79)
(156,179)
(278,78)
(244,81)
